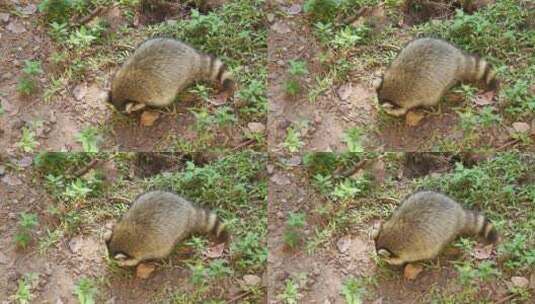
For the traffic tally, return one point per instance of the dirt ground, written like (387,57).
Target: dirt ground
(81,103)
(320,274)
(353,103)
(83,254)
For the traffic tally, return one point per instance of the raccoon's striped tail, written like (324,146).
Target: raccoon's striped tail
(478,224)
(209,223)
(485,73)
(218,72)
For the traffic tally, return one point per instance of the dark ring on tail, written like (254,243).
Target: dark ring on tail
(488,232)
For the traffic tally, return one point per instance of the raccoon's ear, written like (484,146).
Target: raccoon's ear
(384,253)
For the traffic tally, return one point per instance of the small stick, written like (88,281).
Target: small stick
(87,18)
(88,167)
(238,297)
(244,144)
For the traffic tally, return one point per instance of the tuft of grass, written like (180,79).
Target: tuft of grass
(90,139)
(293,141)
(293,232)
(353,139)
(353,291)
(290,294)
(27,223)
(27,142)
(86,291)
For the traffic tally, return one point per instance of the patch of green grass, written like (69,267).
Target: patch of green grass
(353,291)
(293,231)
(27,83)
(27,142)
(27,223)
(86,291)
(353,139)
(290,294)
(90,139)
(296,70)
(293,142)
(24,294)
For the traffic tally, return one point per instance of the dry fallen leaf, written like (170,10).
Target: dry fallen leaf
(220,99)
(144,270)
(215,251)
(485,98)
(482,253)
(148,118)
(412,119)
(412,271)
(521,127)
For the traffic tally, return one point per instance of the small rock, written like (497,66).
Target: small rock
(344,91)
(270,169)
(80,91)
(25,162)
(29,9)
(520,282)
(16,27)
(281,27)
(412,271)
(256,127)
(521,127)
(4,17)
(343,244)
(59,301)
(251,280)
(270,17)
(294,9)
(280,179)
(2,170)
(12,216)
(144,270)
(294,161)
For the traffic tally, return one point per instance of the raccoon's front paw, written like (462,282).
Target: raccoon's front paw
(132,107)
(393,110)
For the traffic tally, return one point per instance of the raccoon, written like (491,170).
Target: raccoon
(154,224)
(424,70)
(158,70)
(424,224)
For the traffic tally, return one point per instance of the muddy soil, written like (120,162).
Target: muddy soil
(80,104)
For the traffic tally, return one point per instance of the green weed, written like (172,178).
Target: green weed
(293,232)
(353,291)
(27,223)
(86,291)
(293,141)
(353,140)
(290,294)
(90,139)
(27,142)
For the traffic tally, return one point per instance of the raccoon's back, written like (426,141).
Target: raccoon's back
(428,64)
(164,216)
(156,72)
(431,217)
